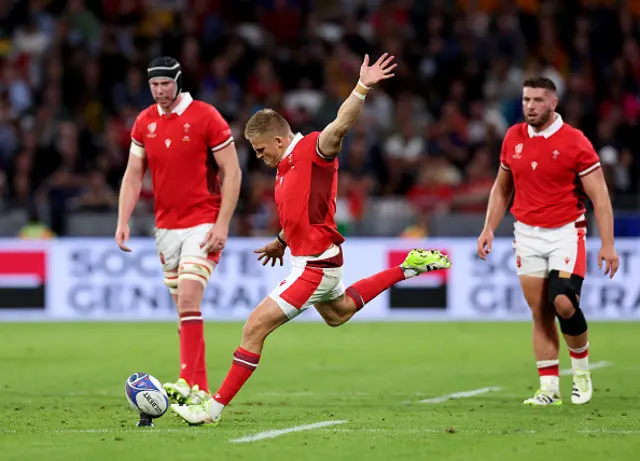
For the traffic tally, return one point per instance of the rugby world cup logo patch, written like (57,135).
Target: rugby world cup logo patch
(518,151)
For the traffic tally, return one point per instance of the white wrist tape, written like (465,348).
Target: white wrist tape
(363,85)
(361,96)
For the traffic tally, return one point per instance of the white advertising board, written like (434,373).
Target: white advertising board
(91,279)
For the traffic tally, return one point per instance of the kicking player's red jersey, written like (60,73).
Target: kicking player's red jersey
(179,150)
(546,169)
(306,192)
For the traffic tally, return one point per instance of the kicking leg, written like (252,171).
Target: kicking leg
(545,339)
(263,320)
(337,311)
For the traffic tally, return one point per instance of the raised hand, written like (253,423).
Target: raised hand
(380,70)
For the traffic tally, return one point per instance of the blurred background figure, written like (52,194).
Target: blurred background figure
(72,82)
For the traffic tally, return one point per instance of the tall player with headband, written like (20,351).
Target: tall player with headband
(184,143)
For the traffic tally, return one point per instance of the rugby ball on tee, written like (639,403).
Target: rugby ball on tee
(146,395)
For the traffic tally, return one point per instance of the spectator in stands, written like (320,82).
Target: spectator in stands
(71,84)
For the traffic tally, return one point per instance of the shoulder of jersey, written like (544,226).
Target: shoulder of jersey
(572,130)
(309,138)
(202,106)
(151,110)
(519,129)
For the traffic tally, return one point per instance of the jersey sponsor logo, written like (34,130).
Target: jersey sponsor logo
(555,154)
(167,142)
(152,130)
(534,165)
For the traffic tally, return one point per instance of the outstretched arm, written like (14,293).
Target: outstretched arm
(330,140)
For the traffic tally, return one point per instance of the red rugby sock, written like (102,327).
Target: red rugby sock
(365,290)
(191,339)
(243,365)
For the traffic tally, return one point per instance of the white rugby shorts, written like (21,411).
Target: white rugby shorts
(175,244)
(311,280)
(540,250)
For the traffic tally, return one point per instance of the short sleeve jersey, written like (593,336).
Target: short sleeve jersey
(306,190)
(546,167)
(179,148)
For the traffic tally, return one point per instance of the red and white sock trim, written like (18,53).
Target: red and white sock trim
(580,352)
(548,367)
(194,317)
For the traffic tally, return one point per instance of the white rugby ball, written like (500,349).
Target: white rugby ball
(146,395)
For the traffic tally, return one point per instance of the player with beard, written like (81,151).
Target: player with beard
(185,143)
(551,166)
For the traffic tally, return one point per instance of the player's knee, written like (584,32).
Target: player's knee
(564,292)
(195,269)
(563,306)
(254,330)
(575,325)
(543,315)
(171,281)
(188,304)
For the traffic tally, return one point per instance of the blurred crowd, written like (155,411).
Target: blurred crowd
(72,80)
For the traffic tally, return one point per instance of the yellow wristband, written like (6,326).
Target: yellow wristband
(363,85)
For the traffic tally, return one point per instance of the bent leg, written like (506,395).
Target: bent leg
(345,303)
(342,305)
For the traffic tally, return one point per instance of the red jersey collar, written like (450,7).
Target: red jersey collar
(549,131)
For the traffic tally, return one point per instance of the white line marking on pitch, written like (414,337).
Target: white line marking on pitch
(593,366)
(461,395)
(279,432)
(608,431)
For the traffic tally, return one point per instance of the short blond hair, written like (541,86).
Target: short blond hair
(266,121)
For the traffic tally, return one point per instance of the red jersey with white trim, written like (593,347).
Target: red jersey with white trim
(546,169)
(179,151)
(306,190)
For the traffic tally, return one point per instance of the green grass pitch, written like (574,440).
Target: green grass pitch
(63,394)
